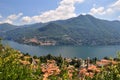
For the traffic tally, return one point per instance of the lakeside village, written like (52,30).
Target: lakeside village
(15,65)
(39,42)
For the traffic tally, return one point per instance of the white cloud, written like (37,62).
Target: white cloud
(14,16)
(84,13)
(26,19)
(11,18)
(109,10)
(118,17)
(116,5)
(8,21)
(100,11)
(112,9)
(65,10)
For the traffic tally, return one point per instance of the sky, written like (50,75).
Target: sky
(21,12)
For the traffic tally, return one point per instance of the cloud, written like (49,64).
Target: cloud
(100,11)
(11,18)
(14,16)
(116,5)
(7,21)
(65,10)
(26,19)
(113,8)
(118,17)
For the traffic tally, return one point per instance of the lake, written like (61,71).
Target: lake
(66,51)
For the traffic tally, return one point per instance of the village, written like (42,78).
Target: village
(39,42)
(85,68)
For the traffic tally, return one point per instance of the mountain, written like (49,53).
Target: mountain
(81,30)
(6,27)
(27,31)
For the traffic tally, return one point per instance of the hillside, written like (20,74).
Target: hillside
(81,30)
(6,27)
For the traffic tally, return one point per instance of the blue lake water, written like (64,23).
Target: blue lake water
(66,51)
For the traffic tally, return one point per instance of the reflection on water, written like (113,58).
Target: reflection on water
(66,51)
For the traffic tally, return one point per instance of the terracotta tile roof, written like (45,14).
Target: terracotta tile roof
(105,62)
(50,68)
(90,71)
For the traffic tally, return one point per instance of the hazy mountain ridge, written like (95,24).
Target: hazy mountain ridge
(81,30)
(6,27)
